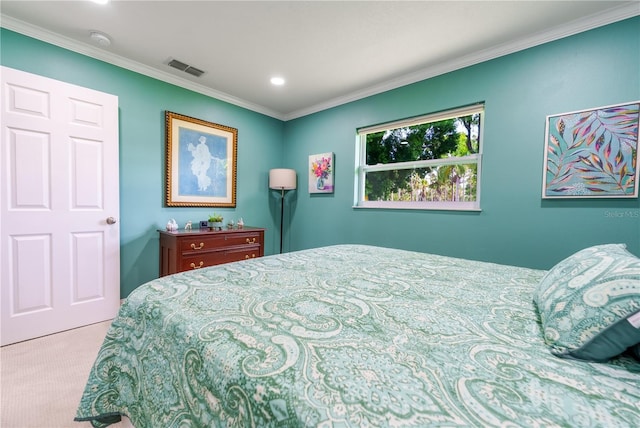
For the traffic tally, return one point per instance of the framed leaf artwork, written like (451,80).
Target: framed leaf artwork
(592,153)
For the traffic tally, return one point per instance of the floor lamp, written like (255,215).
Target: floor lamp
(282,179)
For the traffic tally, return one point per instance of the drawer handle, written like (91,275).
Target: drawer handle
(251,241)
(253,256)
(193,265)
(193,246)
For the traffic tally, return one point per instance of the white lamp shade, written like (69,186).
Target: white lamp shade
(281,178)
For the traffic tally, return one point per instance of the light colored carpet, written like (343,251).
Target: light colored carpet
(42,379)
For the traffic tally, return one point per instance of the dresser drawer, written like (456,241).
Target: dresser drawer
(209,242)
(211,258)
(194,249)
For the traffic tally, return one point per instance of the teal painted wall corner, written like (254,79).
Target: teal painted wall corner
(142,105)
(596,68)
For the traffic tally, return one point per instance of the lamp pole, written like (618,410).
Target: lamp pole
(281,217)
(282,179)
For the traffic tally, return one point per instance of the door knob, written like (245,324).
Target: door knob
(111,220)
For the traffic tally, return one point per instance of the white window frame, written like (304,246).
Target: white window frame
(362,168)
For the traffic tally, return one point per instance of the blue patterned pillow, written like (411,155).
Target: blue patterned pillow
(589,303)
(635,351)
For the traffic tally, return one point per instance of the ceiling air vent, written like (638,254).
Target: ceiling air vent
(186,68)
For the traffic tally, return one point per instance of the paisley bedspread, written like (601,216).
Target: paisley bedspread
(347,336)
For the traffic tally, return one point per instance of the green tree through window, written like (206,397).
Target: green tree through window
(427,162)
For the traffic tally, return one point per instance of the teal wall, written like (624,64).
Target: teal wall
(596,68)
(142,103)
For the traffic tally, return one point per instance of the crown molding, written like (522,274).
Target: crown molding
(108,57)
(568,29)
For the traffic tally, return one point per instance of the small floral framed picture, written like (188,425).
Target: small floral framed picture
(321,173)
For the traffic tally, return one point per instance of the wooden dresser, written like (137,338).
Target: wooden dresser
(183,250)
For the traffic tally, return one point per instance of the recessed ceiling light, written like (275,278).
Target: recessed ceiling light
(278,81)
(100,1)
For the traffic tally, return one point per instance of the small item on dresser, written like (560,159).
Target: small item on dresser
(230,225)
(215,222)
(204,224)
(240,223)
(188,225)
(172,225)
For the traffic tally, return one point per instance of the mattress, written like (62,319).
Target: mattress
(348,336)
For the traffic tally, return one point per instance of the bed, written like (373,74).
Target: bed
(360,336)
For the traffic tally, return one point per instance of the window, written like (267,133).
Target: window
(427,162)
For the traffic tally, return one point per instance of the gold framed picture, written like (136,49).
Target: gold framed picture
(201,162)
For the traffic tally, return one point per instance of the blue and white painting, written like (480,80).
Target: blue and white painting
(203,163)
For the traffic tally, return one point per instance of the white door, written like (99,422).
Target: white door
(59,199)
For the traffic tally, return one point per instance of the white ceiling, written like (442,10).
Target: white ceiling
(329,52)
